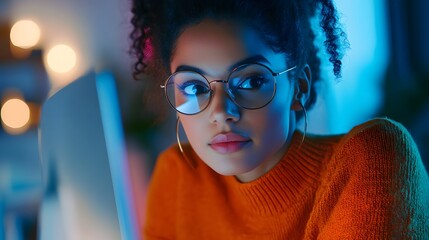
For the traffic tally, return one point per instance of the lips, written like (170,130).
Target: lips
(228,142)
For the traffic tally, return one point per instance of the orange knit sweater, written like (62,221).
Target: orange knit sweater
(367,184)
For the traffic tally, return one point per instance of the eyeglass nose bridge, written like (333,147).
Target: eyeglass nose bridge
(228,90)
(218,80)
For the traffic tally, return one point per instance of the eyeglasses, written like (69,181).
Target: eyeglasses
(250,86)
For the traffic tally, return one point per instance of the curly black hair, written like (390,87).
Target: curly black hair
(284,25)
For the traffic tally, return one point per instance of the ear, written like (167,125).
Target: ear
(302,88)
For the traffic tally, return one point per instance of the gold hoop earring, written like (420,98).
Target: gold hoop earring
(188,160)
(305,122)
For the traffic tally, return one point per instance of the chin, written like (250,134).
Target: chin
(231,170)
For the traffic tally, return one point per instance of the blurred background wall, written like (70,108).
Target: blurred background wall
(386,73)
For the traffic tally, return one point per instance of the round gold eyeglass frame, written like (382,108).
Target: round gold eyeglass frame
(274,74)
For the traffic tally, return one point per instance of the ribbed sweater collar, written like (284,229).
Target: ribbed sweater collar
(295,173)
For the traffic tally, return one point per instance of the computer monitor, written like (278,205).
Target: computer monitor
(86,177)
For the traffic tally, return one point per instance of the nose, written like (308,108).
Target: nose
(222,108)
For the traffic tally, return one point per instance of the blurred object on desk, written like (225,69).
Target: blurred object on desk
(24,85)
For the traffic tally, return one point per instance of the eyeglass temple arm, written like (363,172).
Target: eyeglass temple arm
(285,71)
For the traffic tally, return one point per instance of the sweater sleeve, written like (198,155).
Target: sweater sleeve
(162,192)
(376,187)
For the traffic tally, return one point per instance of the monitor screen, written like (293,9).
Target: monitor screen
(86,177)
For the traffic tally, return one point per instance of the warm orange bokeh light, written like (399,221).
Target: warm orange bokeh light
(61,58)
(15,115)
(25,34)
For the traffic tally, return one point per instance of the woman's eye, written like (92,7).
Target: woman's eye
(194,88)
(253,82)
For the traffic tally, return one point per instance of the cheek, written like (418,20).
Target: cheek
(192,126)
(274,122)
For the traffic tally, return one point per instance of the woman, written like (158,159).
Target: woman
(241,73)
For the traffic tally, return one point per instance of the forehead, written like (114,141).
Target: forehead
(213,42)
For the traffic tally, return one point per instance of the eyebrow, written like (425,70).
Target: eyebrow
(251,59)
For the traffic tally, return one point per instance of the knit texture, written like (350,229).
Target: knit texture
(367,184)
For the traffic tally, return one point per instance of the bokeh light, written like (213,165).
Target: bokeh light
(61,58)
(15,116)
(25,34)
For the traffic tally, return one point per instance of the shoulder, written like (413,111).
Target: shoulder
(172,160)
(380,149)
(170,155)
(178,164)
(160,209)
(380,128)
(163,183)
(378,138)
(376,171)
